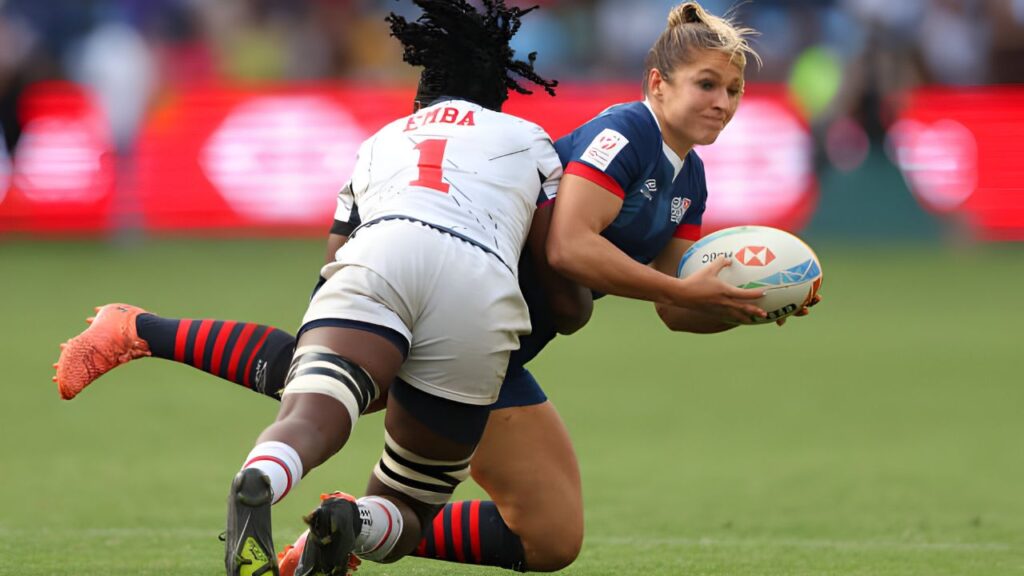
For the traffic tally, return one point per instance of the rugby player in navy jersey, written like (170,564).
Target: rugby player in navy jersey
(634,190)
(634,163)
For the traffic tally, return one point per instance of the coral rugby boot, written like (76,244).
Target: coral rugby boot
(333,527)
(248,545)
(109,341)
(288,559)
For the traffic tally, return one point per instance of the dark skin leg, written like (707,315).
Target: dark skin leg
(412,435)
(317,426)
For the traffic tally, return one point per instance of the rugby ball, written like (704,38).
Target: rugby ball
(766,258)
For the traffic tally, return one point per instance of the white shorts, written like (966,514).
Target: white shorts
(459,307)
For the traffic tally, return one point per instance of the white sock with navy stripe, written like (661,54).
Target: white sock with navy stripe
(280,462)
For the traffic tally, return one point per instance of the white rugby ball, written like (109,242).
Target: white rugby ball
(762,257)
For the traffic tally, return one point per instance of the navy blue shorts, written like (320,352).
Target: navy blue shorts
(464,423)
(520,388)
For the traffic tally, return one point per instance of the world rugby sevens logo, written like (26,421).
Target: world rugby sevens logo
(755,256)
(608,142)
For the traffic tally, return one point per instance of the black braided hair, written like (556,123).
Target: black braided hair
(466,53)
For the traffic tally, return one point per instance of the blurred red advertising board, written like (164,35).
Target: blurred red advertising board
(274,160)
(62,178)
(267,160)
(760,170)
(961,152)
(5,175)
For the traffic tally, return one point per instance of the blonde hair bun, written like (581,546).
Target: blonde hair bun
(687,13)
(690,29)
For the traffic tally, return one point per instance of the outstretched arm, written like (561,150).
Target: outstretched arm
(576,249)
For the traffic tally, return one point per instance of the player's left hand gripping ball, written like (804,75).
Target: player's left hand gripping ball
(769,259)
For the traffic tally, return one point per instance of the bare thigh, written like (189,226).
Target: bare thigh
(419,439)
(527,465)
(316,425)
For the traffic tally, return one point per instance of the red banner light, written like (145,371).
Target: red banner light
(760,170)
(271,155)
(219,159)
(62,178)
(273,160)
(5,175)
(959,151)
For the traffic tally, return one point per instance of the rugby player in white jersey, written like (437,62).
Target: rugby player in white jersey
(421,307)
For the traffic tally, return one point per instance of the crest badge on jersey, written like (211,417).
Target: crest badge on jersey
(604,148)
(679,208)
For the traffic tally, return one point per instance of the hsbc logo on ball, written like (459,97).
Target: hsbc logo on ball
(755,256)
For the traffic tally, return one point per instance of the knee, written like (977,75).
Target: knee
(481,474)
(551,538)
(553,555)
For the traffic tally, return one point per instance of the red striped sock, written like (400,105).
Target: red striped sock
(252,355)
(472,532)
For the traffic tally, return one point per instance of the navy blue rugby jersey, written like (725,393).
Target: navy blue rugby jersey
(663,196)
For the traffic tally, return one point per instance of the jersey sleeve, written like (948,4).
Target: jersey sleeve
(690,227)
(549,167)
(607,151)
(346,214)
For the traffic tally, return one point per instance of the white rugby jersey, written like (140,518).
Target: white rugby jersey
(458,167)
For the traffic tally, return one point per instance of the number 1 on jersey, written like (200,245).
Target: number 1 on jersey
(431,158)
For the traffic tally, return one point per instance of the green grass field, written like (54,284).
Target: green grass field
(883,435)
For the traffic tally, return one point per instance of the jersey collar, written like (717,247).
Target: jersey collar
(673,158)
(444,98)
